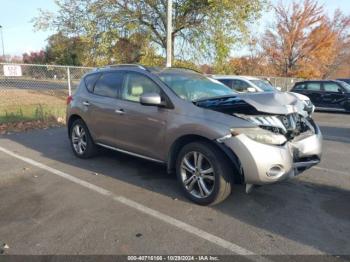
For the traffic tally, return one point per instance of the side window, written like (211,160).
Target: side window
(136,85)
(300,86)
(227,82)
(240,85)
(90,81)
(109,84)
(331,87)
(313,87)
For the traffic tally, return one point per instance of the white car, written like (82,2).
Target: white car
(249,84)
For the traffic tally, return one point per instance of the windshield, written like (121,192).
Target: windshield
(345,85)
(344,80)
(264,85)
(192,86)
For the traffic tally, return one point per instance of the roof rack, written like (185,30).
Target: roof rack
(186,68)
(126,65)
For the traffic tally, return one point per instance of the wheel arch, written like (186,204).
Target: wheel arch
(180,142)
(71,120)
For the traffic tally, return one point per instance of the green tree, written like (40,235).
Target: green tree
(207,27)
(65,50)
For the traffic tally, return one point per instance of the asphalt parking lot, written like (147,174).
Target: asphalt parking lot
(53,203)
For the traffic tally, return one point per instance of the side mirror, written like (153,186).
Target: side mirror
(151,99)
(340,90)
(251,89)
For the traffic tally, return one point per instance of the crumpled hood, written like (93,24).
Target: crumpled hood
(280,103)
(276,103)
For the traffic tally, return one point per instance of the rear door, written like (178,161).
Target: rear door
(102,105)
(333,95)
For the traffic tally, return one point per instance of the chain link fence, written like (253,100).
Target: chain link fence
(36,92)
(284,83)
(28,76)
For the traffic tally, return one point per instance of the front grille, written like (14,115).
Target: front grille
(291,125)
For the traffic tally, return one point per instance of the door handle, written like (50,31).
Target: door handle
(120,111)
(86,103)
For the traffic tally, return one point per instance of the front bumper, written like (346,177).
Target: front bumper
(264,164)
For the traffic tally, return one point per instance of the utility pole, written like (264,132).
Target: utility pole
(169,33)
(2,41)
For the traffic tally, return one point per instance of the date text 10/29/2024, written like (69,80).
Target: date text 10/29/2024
(173,258)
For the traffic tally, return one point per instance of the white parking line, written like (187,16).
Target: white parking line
(149,211)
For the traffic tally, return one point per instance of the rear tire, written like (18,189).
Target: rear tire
(81,141)
(204,173)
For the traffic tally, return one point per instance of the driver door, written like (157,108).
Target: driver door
(142,128)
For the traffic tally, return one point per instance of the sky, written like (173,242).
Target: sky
(15,18)
(19,36)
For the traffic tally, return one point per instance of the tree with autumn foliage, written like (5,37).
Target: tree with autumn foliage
(35,57)
(254,63)
(304,42)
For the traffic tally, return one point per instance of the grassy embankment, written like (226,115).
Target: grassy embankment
(20,107)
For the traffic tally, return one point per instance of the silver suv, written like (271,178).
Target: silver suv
(207,133)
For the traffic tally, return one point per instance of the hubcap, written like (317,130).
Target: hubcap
(197,174)
(79,139)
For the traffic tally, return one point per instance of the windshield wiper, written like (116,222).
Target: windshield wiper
(213,98)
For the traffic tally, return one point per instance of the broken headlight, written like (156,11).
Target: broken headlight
(260,135)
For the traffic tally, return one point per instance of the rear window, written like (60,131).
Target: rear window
(90,81)
(109,84)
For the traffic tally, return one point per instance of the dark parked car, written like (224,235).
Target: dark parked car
(326,94)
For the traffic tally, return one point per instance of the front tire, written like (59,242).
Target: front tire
(203,172)
(81,141)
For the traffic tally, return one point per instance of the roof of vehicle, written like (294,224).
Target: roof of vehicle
(233,77)
(320,81)
(137,67)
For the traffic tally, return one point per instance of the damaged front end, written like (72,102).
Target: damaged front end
(290,126)
(284,142)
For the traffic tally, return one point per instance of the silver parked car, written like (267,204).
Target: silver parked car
(208,134)
(244,84)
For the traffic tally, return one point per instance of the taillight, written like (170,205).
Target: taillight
(69,99)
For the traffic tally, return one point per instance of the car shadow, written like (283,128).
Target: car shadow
(335,112)
(309,213)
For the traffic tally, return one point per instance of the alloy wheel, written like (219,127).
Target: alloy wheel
(197,174)
(79,139)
